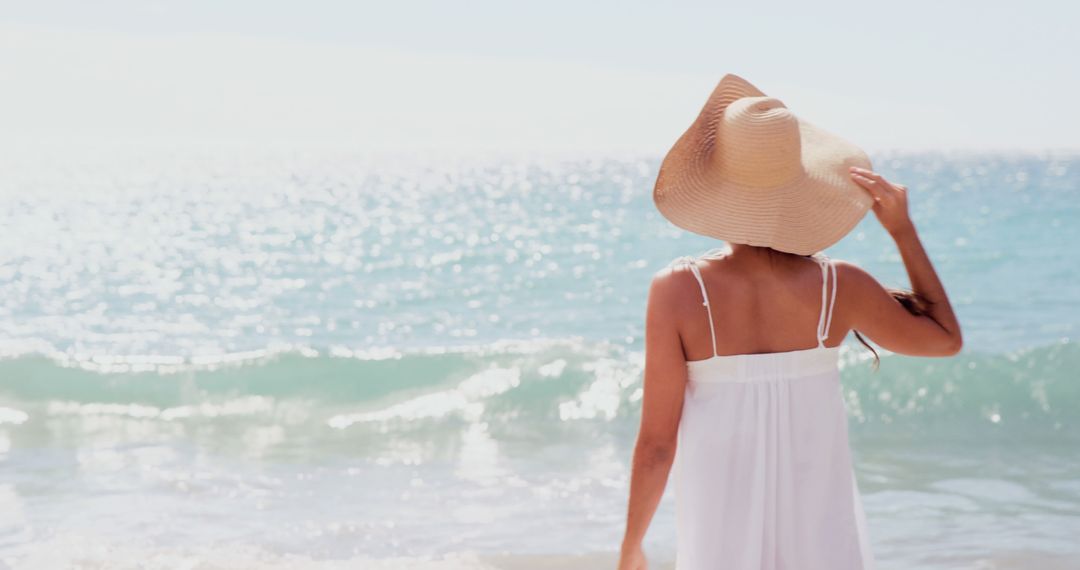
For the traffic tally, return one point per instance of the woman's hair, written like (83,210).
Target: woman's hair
(915,303)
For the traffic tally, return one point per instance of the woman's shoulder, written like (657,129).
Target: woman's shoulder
(684,261)
(667,290)
(668,281)
(851,271)
(667,274)
(855,284)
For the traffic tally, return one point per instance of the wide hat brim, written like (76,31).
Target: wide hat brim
(802,216)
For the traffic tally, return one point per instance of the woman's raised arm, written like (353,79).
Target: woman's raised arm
(876,313)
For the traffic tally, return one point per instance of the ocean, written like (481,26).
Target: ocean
(317,358)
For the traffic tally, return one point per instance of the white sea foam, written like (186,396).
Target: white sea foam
(467,397)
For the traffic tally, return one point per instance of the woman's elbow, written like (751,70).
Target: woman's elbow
(655,451)
(955,346)
(952,345)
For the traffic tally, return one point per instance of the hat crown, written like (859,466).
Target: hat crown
(758,143)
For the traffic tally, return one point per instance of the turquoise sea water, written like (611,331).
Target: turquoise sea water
(320,359)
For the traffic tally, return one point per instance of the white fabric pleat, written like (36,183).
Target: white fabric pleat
(764,478)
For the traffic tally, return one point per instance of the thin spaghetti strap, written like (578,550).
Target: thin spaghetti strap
(708,308)
(692,262)
(828,302)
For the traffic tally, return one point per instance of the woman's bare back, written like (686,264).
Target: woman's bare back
(761,301)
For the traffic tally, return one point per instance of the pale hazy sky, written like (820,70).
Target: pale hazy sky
(557,74)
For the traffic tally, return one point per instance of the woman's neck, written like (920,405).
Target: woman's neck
(753,254)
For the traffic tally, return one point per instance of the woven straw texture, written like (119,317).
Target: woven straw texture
(749,171)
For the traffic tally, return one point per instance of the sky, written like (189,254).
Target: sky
(553,75)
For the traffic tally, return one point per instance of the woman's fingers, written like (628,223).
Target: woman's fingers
(872,185)
(880,181)
(890,200)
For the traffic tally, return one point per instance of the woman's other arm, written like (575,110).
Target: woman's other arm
(661,409)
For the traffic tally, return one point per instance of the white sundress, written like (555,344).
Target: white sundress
(763,473)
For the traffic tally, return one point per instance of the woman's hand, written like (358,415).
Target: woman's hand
(632,558)
(890,200)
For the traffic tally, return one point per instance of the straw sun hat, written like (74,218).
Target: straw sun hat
(749,171)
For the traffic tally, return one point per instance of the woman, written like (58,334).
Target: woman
(741,344)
